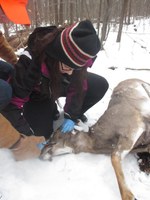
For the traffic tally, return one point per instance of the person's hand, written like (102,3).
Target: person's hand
(67,126)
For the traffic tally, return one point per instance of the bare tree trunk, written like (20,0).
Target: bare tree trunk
(128,21)
(55,2)
(81,9)
(52,12)
(87,10)
(61,13)
(47,11)
(124,6)
(71,11)
(36,14)
(99,16)
(77,10)
(105,19)
(6,30)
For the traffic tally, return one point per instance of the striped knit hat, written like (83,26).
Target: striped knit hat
(76,46)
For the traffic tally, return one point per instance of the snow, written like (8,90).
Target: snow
(86,176)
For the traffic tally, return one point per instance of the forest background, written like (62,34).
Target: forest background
(105,14)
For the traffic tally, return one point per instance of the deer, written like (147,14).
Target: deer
(124,127)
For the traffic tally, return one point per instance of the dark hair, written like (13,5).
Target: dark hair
(40,38)
(77,78)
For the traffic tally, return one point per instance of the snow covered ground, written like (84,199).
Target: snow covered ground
(86,176)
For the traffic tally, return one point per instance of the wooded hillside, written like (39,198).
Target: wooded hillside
(104,13)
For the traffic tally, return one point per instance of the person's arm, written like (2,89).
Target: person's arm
(6,51)
(74,101)
(26,76)
(74,98)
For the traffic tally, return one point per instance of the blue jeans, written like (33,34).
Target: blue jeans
(5,94)
(6,70)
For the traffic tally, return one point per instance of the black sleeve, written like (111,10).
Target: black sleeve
(27,75)
(75,95)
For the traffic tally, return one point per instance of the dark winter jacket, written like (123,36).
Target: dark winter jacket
(28,79)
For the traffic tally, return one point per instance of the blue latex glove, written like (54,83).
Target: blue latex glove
(67,126)
(41,145)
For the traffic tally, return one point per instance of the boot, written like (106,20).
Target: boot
(23,147)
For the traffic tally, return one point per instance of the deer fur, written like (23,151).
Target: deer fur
(124,127)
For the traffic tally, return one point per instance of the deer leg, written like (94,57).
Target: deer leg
(126,194)
(116,158)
